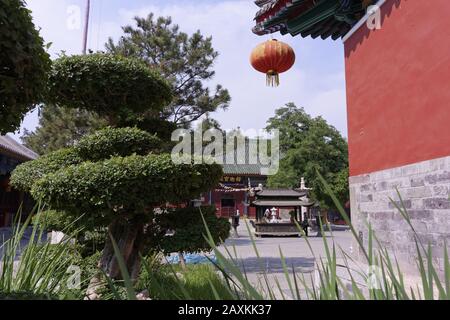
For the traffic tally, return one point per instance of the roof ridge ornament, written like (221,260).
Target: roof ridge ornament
(303,184)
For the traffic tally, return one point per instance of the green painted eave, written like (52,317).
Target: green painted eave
(327,18)
(324,10)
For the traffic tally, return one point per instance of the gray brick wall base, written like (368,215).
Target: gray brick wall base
(424,188)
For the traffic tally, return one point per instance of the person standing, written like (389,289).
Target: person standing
(235,222)
(305,226)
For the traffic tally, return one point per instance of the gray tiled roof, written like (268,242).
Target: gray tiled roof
(241,160)
(9,145)
(282,203)
(281,193)
(243,169)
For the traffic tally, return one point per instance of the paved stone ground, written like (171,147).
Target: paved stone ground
(295,250)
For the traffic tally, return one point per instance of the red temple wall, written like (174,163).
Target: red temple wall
(398,94)
(239,198)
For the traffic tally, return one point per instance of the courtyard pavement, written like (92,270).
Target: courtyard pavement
(295,251)
(7,233)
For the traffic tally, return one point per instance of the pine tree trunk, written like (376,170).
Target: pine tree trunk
(182,260)
(129,237)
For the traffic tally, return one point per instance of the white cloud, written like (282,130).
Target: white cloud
(316,82)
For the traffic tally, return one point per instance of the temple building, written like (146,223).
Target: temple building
(232,195)
(12,154)
(397,56)
(279,212)
(330,18)
(289,204)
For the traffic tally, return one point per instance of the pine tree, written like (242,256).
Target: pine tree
(61,127)
(186,61)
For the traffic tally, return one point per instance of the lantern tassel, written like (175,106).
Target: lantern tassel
(272,79)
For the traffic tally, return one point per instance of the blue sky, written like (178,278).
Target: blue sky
(316,82)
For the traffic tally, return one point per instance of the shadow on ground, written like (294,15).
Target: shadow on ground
(274,265)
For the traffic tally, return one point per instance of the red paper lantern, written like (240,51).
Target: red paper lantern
(272,58)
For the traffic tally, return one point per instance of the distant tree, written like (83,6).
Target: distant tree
(309,145)
(24,64)
(186,61)
(61,127)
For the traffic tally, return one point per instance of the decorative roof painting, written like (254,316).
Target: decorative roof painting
(315,18)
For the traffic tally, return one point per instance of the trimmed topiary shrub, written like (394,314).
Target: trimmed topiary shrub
(119,193)
(111,142)
(123,184)
(24,64)
(185,223)
(109,85)
(114,179)
(26,174)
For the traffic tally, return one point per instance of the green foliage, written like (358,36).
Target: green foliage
(309,145)
(109,179)
(185,222)
(41,278)
(89,266)
(26,174)
(96,192)
(23,296)
(161,128)
(61,127)
(54,220)
(110,142)
(113,86)
(23,64)
(117,184)
(339,185)
(41,269)
(172,283)
(90,195)
(186,61)
(89,233)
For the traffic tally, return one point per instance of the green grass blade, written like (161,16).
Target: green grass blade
(286,272)
(124,271)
